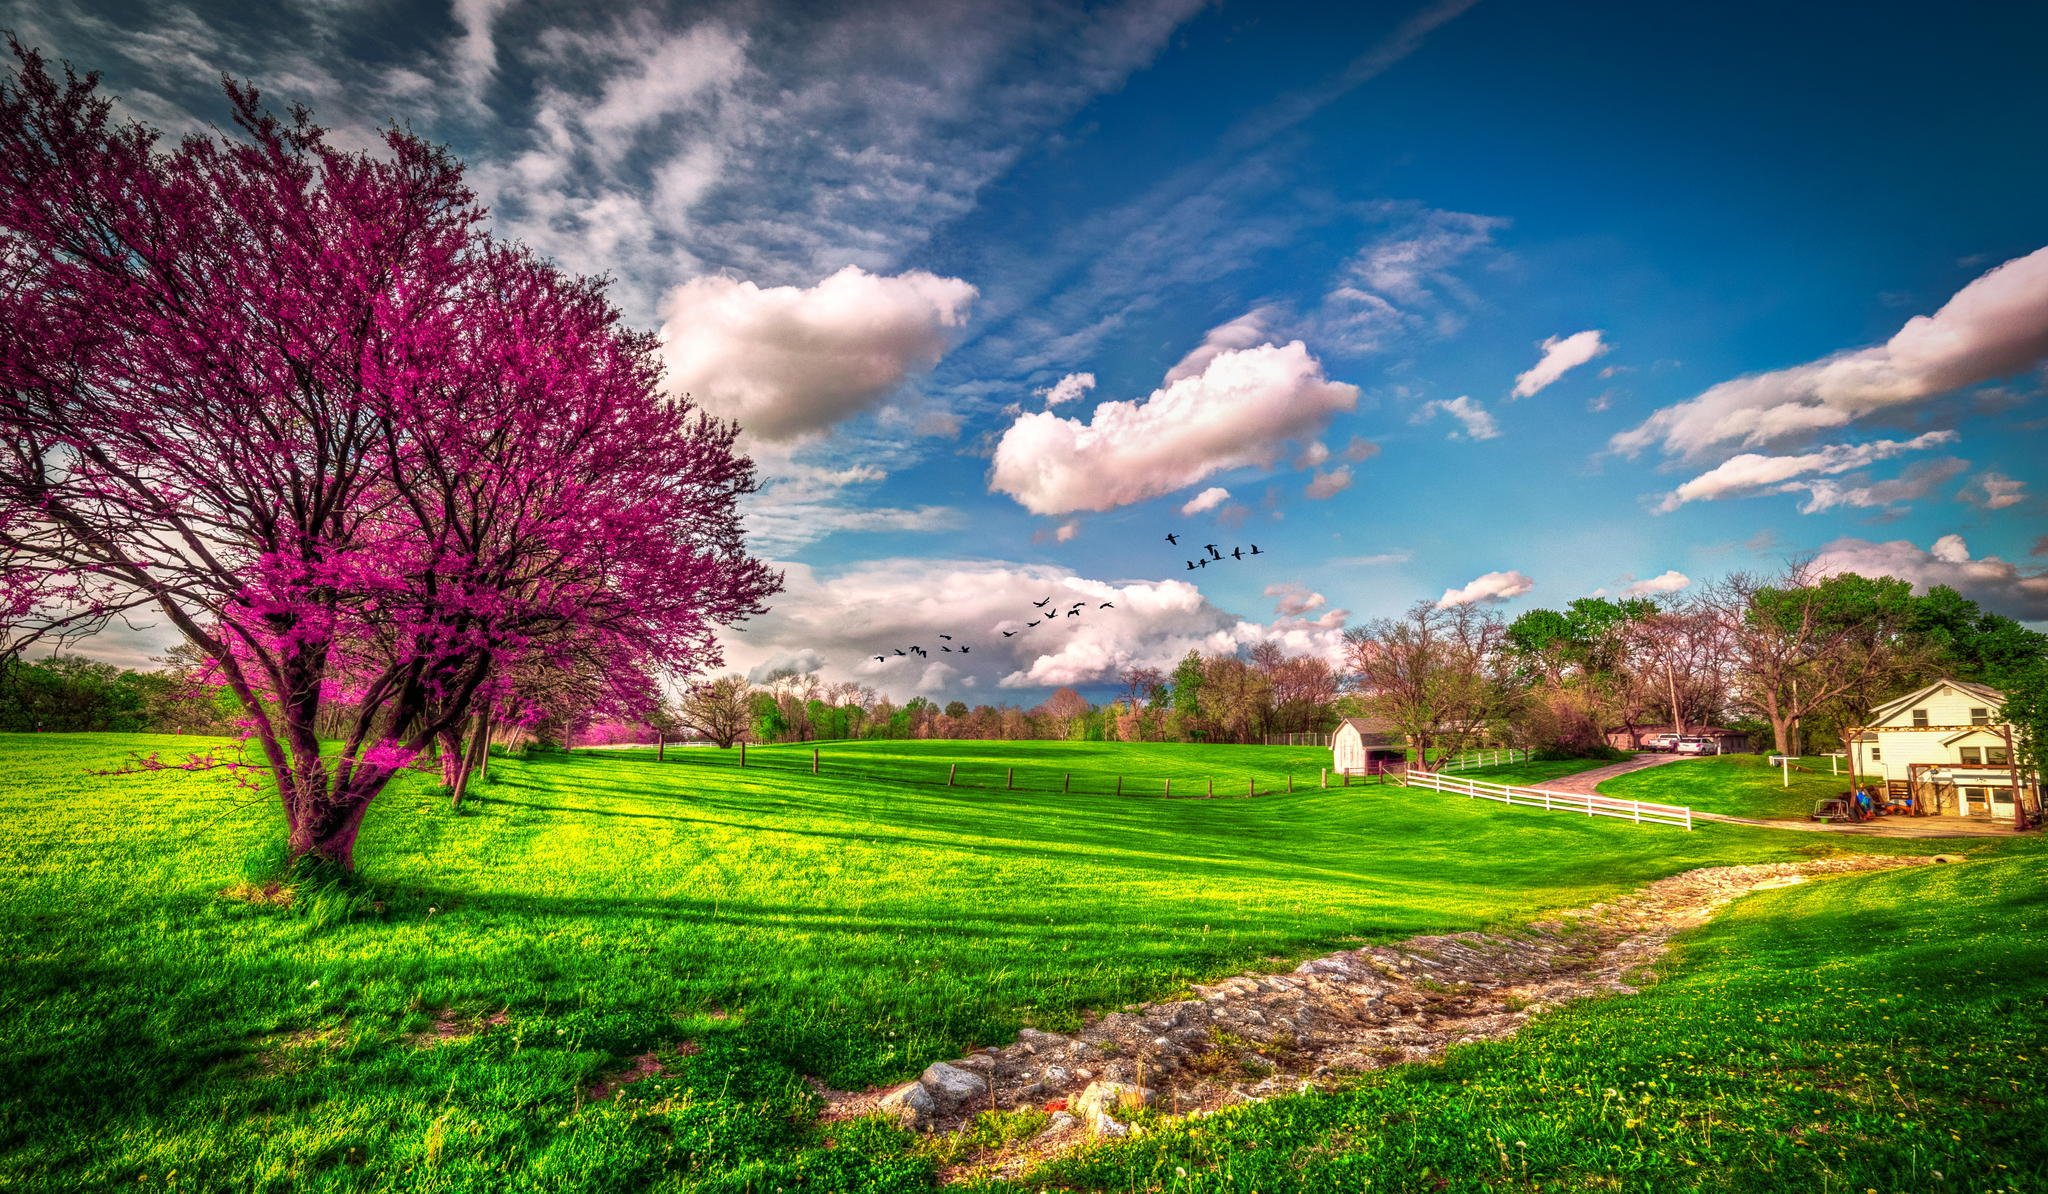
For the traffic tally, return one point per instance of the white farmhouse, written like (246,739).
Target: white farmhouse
(1941,745)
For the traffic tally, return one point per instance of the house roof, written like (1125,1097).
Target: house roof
(1987,731)
(1893,707)
(1372,725)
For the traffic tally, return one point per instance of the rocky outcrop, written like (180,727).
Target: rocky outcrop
(1254,1035)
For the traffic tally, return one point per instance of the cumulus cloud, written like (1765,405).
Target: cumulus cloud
(1246,331)
(1994,327)
(1066,532)
(1205,501)
(1670,582)
(1360,450)
(870,609)
(1295,598)
(1067,389)
(1996,584)
(1920,479)
(1561,354)
(1315,455)
(1474,418)
(1489,588)
(1330,484)
(1753,473)
(1992,490)
(1239,410)
(789,362)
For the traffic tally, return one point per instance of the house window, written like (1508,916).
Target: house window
(1919,718)
(1972,755)
(1876,753)
(1997,756)
(1980,716)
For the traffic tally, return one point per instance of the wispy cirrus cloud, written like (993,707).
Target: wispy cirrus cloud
(1561,355)
(1754,473)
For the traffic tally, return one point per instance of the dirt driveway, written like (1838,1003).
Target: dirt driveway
(1587,783)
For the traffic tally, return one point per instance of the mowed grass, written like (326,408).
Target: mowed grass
(443,1027)
(1101,768)
(1735,785)
(1532,773)
(1875,1032)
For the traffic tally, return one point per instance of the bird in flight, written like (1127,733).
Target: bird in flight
(1256,551)
(1191,565)
(946,649)
(1173,539)
(947,637)
(965,650)
(1041,604)
(1106,605)
(899,650)
(1211,548)
(1031,623)
(1237,553)
(884,659)
(1009,634)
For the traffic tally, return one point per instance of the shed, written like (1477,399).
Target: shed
(1367,746)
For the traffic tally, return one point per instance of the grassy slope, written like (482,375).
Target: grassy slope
(1536,771)
(1048,766)
(607,905)
(1880,1032)
(1737,785)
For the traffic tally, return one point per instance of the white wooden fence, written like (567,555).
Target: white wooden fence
(1642,812)
(1484,758)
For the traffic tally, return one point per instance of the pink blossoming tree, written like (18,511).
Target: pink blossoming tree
(300,403)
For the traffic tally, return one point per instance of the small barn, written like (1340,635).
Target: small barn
(1367,746)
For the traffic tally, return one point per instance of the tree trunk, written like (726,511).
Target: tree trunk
(328,831)
(449,743)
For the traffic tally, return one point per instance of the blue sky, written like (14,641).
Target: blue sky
(1787,256)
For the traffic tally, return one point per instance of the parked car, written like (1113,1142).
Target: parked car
(1661,742)
(1693,745)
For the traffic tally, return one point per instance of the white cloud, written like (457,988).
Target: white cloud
(1360,449)
(1994,327)
(1489,588)
(1753,473)
(1067,388)
(1376,560)
(1994,583)
(1330,484)
(1246,331)
(1670,582)
(1561,354)
(1406,280)
(1920,479)
(1295,598)
(1205,501)
(1474,418)
(1066,532)
(879,606)
(1995,491)
(1315,455)
(1239,410)
(790,362)
(474,56)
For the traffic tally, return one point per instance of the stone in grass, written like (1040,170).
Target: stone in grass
(911,1105)
(1101,1100)
(951,1087)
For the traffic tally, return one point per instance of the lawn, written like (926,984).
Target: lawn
(1874,1032)
(443,1027)
(1532,772)
(1736,785)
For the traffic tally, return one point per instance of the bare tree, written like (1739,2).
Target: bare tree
(719,709)
(1440,676)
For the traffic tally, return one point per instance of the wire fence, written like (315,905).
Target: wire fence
(993,776)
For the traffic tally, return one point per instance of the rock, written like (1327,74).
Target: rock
(951,1087)
(1056,1077)
(1108,1127)
(911,1105)
(1110,1096)
(1061,1122)
(980,1063)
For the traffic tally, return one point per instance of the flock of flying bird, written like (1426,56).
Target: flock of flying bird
(1215,553)
(1047,611)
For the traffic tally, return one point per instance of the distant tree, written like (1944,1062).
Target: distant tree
(298,401)
(72,694)
(720,709)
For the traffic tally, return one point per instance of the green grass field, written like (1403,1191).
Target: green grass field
(441,1028)
(1736,785)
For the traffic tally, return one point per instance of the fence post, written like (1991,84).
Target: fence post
(1169,785)
(1251,787)
(814,760)
(1326,777)
(950,772)
(1546,800)
(743,754)
(1290,783)
(1009,776)
(1212,787)
(1119,785)
(1066,782)
(1639,810)
(660,746)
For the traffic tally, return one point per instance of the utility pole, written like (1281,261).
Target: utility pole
(2012,762)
